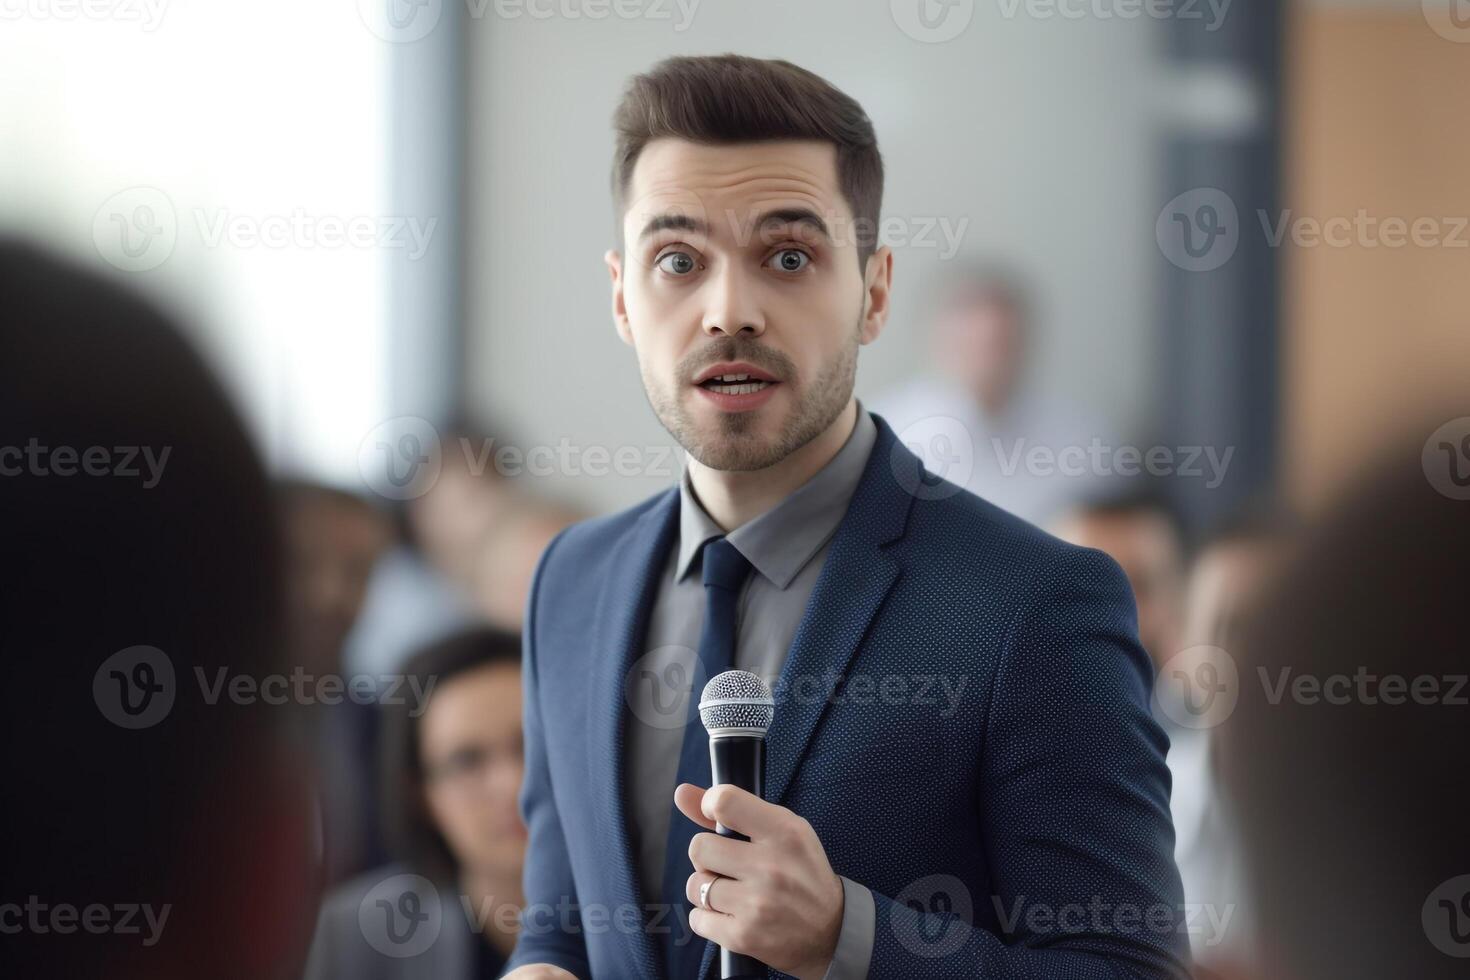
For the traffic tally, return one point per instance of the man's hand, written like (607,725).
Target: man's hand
(777,897)
(538,971)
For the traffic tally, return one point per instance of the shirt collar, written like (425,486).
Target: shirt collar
(781,541)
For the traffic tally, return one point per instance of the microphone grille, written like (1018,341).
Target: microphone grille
(737,699)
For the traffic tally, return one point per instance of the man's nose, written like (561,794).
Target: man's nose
(731,307)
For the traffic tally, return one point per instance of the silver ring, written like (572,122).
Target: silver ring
(704,894)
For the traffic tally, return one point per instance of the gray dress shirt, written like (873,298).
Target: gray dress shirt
(787,546)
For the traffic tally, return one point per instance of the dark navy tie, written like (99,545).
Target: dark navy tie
(725,571)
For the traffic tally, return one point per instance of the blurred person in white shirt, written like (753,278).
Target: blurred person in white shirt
(974,418)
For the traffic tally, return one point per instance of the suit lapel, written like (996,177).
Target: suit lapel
(855,578)
(620,623)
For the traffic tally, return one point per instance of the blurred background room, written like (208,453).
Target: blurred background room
(1186,282)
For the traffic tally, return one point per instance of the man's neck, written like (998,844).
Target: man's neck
(732,498)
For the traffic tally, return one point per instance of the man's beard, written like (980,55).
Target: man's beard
(738,445)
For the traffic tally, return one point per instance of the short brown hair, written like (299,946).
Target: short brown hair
(730,98)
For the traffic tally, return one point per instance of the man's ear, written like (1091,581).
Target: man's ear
(878,281)
(619,308)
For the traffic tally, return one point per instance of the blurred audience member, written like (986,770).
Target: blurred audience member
(150,830)
(452,771)
(1234,563)
(333,541)
(979,395)
(483,530)
(1343,763)
(1231,572)
(1137,528)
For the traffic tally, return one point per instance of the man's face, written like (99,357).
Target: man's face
(742,260)
(1145,546)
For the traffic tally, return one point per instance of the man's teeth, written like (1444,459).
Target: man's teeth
(734,384)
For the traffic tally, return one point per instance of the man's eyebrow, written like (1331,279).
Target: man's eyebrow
(673,220)
(795,216)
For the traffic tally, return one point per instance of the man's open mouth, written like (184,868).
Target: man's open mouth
(735,384)
(734,378)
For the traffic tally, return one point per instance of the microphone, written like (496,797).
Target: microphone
(737,709)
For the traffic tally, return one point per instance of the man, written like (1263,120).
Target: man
(962,778)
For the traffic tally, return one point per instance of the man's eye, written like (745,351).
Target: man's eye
(789,260)
(677,263)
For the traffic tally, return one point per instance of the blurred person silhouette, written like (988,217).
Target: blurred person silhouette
(151,830)
(482,529)
(1343,762)
(1135,525)
(977,389)
(1234,565)
(333,541)
(451,772)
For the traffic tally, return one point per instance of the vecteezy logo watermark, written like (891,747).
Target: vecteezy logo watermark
(1202,921)
(401,916)
(134,688)
(302,229)
(1446,458)
(1364,230)
(942,913)
(932,21)
(63,918)
(1198,687)
(1362,687)
(1100,459)
(148,14)
(136,229)
(401,458)
(943,444)
(1450,19)
(405,21)
(400,21)
(1446,917)
(941,232)
(1198,230)
(300,687)
(941,691)
(659,684)
(1185,10)
(36,459)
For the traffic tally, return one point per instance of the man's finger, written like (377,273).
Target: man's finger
(742,811)
(715,925)
(687,797)
(722,855)
(726,895)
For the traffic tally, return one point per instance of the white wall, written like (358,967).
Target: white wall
(1037,130)
(247,133)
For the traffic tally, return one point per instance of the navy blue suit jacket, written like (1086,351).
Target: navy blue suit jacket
(1018,828)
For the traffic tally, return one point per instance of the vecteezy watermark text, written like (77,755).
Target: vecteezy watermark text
(97,918)
(38,459)
(136,688)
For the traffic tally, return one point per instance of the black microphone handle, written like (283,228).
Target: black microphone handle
(739,760)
